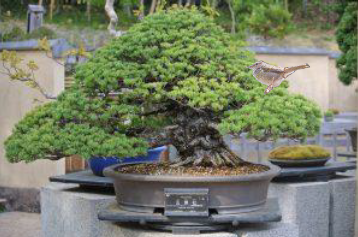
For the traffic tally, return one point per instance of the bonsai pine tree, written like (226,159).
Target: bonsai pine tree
(175,78)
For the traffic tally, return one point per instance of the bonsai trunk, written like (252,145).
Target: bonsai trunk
(199,142)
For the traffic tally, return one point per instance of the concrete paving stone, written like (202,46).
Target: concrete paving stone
(20,224)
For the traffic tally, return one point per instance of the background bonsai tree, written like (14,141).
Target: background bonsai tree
(179,79)
(347,40)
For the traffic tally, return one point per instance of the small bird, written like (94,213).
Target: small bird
(272,76)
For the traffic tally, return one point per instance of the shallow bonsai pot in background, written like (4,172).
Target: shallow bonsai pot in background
(299,156)
(98,164)
(300,162)
(328,118)
(227,194)
(353,135)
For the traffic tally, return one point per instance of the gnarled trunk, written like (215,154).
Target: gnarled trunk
(199,142)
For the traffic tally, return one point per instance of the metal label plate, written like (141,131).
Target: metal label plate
(186,202)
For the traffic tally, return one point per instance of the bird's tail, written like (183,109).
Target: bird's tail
(295,68)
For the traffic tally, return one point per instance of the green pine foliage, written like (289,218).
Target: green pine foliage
(172,58)
(270,20)
(74,124)
(347,40)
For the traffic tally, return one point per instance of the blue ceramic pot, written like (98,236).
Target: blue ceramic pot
(98,164)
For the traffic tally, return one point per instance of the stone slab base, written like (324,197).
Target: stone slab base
(319,209)
(265,230)
(68,211)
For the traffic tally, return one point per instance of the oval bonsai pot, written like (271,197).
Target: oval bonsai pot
(227,194)
(98,164)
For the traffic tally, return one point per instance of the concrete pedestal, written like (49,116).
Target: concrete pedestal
(342,209)
(67,211)
(319,209)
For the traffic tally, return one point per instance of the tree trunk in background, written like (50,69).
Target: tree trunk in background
(141,9)
(109,7)
(214,4)
(180,2)
(152,6)
(304,3)
(88,10)
(59,6)
(158,5)
(188,3)
(52,4)
(233,20)
(40,2)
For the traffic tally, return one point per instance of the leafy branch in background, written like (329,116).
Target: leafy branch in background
(14,68)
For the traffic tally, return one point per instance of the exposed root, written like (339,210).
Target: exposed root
(207,158)
(227,160)
(187,161)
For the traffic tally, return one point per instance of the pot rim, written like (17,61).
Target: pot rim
(269,174)
(299,159)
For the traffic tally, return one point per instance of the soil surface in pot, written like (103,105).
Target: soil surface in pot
(166,169)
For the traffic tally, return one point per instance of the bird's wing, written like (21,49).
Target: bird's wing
(271,68)
(267,77)
(260,78)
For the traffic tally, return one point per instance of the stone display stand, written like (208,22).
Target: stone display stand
(342,208)
(67,211)
(319,209)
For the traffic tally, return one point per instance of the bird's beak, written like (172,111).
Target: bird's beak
(307,66)
(251,66)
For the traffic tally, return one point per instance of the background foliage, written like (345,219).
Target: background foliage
(18,34)
(270,21)
(347,40)
(71,13)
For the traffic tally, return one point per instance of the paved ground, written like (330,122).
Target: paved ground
(20,224)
